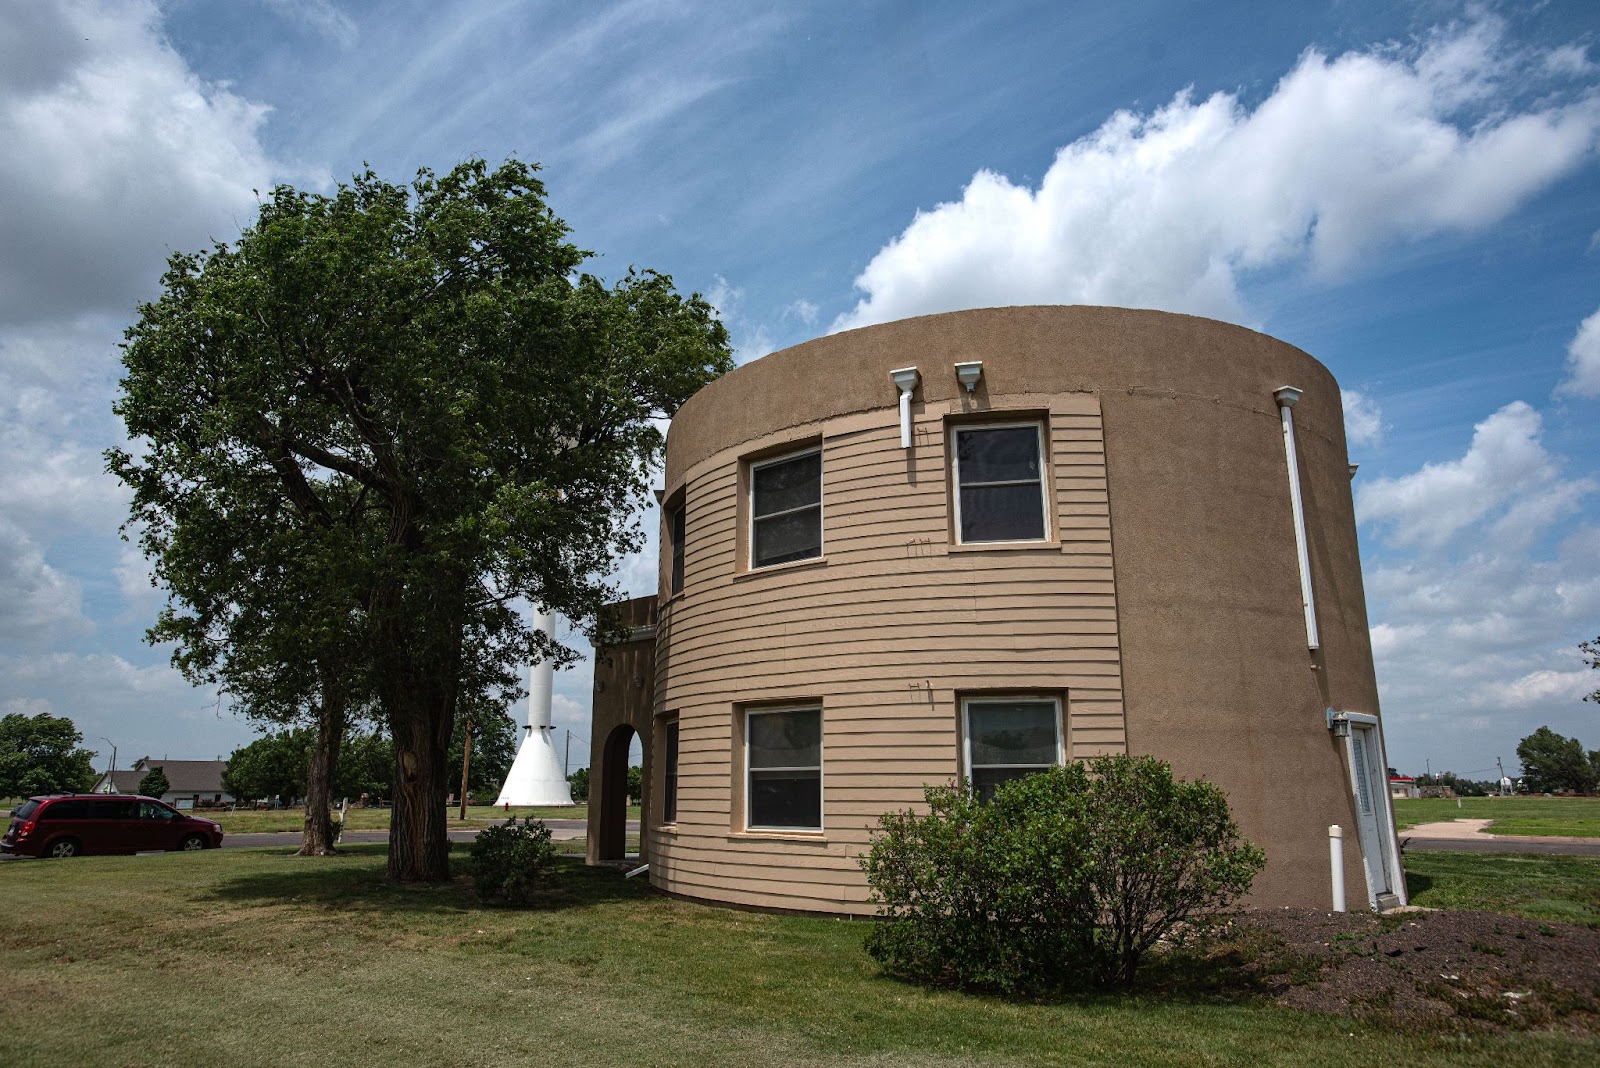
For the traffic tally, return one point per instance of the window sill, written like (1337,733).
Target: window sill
(1001,546)
(792,565)
(817,837)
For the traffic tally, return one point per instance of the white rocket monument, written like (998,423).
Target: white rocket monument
(535,777)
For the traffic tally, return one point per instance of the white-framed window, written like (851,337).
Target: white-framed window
(669,771)
(998,474)
(1009,736)
(677,521)
(786,508)
(783,768)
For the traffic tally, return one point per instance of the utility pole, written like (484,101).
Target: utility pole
(112,774)
(466,763)
(566,757)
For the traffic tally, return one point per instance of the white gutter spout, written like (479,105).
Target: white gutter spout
(906,379)
(1286,396)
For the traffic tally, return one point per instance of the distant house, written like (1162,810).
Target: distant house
(1402,787)
(192,781)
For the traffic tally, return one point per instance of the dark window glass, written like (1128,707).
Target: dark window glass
(114,809)
(669,799)
(66,810)
(149,810)
(785,773)
(677,528)
(26,809)
(1008,739)
(1001,485)
(786,510)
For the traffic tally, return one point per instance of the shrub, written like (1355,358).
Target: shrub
(512,860)
(1067,877)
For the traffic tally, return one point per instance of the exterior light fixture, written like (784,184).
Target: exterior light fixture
(968,374)
(1339,724)
(905,379)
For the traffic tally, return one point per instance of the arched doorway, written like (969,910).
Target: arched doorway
(609,792)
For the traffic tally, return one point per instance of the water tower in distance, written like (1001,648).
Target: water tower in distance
(535,777)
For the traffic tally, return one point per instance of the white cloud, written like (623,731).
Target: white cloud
(320,16)
(1363,419)
(1505,474)
(115,153)
(1168,209)
(1583,360)
(38,604)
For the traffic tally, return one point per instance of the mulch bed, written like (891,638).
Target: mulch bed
(1434,970)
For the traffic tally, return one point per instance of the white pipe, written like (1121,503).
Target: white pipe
(541,677)
(1286,398)
(1336,864)
(906,379)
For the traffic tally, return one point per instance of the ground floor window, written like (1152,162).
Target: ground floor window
(783,769)
(669,774)
(1008,737)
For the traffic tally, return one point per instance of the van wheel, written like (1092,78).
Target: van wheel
(194,841)
(63,847)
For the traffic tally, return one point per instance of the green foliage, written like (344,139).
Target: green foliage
(1066,877)
(272,766)
(40,755)
(1462,787)
(366,766)
(512,860)
(494,747)
(154,783)
(1591,656)
(579,780)
(1551,762)
(635,784)
(371,425)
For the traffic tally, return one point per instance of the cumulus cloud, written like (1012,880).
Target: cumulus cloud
(38,604)
(1476,615)
(1583,360)
(1168,209)
(115,153)
(1506,473)
(1363,419)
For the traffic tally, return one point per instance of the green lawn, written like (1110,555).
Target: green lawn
(1567,816)
(1536,886)
(249,957)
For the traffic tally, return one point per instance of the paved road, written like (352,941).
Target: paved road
(561,830)
(1503,844)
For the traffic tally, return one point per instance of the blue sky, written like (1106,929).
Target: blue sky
(1408,191)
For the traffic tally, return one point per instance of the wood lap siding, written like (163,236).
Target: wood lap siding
(885,633)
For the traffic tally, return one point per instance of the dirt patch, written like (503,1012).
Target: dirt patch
(1444,970)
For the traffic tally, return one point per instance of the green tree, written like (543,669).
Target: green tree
(579,781)
(1591,651)
(494,747)
(154,783)
(40,755)
(1551,762)
(415,390)
(366,766)
(635,784)
(272,766)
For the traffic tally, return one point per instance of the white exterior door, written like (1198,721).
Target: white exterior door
(1369,782)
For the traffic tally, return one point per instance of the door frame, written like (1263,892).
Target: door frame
(1388,850)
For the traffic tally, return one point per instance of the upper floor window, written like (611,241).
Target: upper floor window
(675,528)
(786,508)
(999,480)
(783,769)
(1009,737)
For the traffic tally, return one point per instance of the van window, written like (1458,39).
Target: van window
(66,810)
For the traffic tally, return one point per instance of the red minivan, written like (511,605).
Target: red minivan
(65,825)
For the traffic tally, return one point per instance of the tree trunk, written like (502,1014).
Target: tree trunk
(420,722)
(318,838)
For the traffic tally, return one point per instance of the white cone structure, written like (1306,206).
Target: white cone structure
(535,777)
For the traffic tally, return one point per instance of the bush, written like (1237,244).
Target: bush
(1067,877)
(512,860)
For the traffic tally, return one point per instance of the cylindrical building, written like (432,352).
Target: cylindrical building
(1108,530)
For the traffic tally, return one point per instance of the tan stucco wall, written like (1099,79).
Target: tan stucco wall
(1165,609)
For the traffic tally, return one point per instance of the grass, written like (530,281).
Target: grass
(1564,816)
(255,958)
(1539,887)
(255,821)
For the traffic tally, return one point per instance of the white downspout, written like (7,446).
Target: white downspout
(1286,397)
(1336,865)
(906,379)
